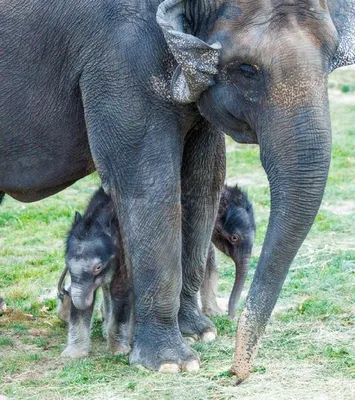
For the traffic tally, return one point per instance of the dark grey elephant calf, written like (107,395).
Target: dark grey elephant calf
(139,90)
(233,235)
(95,258)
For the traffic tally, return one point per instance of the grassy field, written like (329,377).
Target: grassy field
(309,348)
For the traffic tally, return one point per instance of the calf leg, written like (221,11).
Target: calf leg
(119,317)
(79,332)
(209,286)
(105,308)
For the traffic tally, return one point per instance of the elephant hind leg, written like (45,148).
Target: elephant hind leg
(118,305)
(202,180)
(2,195)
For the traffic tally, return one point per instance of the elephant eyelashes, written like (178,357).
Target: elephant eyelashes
(249,71)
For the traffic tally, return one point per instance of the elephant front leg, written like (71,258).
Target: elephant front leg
(209,286)
(151,224)
(203,175)
(78,344)
(119,317)
(140,168)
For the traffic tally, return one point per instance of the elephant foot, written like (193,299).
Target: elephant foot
(74,352)
(162,349)
(195,325)
(118,348)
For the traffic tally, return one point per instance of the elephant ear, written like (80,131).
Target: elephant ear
(343,16)
(77,218)
(197,61)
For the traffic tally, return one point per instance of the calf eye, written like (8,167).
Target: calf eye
(249,70)
(235,239)
(97,268)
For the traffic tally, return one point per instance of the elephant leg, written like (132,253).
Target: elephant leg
(105,308)
(119,316)
(209,286)
(79,332)
(139,163)
(202,178)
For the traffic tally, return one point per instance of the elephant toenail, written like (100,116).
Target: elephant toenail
(208,337)
(169,368)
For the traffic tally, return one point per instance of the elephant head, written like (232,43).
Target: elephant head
(233,235)
(91,252)
(258,70)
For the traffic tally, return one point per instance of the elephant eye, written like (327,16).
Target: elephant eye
(248,70)
(234,239)
(97,268)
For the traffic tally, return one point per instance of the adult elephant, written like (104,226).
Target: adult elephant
(100,85)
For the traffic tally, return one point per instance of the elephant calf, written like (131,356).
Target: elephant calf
(233,235)
(95,258)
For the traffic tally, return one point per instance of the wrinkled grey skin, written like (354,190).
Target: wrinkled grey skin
(100,85)
(94,258)
(233,235)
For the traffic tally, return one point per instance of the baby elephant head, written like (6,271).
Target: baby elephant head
(234,234)
(91,250)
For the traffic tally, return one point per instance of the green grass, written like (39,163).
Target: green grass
(308,350)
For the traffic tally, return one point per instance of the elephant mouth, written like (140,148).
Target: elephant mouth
(216,112)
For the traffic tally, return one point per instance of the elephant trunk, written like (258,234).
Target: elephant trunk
(82,296)
(295,154)
(241,272)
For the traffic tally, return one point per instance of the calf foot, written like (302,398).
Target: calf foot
(75,352)
(118,347)
(194,324)
(162,349)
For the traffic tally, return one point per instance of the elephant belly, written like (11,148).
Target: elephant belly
(40,159)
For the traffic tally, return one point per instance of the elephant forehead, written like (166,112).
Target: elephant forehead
(264,30)
(245,10)
(79,265)
(313,5)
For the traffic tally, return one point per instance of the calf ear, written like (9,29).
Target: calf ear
(197,61)
(343,16)
(77,217)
